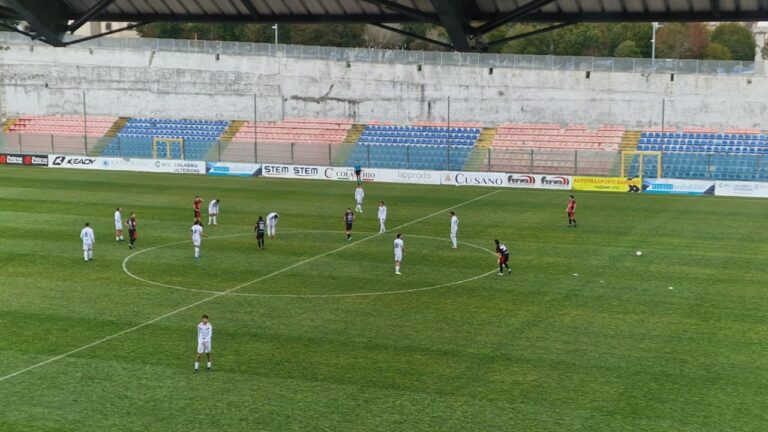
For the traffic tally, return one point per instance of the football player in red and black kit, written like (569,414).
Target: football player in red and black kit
(571,210)
(503,253)
(196,206)
(132,233)
(349,217)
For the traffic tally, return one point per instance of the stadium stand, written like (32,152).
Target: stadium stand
(62,126)
(136,138)
(432,146)
(302,141)
(551,149)
(705,153)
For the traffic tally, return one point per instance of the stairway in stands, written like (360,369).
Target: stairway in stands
(102,142)
(343,150)
(226,138)
(478,160)
(628,145)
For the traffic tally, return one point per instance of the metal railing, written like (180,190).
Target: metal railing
(373,55)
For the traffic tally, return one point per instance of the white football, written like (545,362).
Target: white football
(638,253)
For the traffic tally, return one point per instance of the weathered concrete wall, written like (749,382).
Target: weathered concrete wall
(177,85)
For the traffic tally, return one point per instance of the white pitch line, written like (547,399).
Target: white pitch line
(207,299)
(370,293)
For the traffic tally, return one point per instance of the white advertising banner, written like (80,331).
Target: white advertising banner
(232,169)
(464,178)
(741,189)
(120,164)
(348,174)
(291,171)
(664,186)
(539,181)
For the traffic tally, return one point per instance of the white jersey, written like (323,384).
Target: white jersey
(399,246)
(359,194)
(204,332)
(118,220)
(272,218)
(197,232)
(454,224)
(382,212)
(87,236)
(213,207)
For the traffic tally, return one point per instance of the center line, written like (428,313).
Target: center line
(223,293)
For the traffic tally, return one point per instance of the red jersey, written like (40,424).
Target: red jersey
(571,206)
(196,205)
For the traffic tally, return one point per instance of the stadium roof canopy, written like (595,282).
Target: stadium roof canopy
(465,21)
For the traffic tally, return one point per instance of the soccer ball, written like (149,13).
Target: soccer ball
(638,253)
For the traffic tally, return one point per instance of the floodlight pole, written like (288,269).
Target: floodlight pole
(275,27)
(85,125)
(653,45)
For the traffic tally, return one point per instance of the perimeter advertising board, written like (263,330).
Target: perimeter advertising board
(231,169)
(24,160)
(741,189)
(664,186)
(119,164)
(607,184)
(539,181)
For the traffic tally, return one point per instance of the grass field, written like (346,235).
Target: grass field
(674,340)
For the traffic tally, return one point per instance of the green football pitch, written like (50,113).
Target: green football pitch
(317,333)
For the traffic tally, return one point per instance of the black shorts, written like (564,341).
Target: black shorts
(357,172)
(503,259)
(349,226)
(132,234)
(260,235)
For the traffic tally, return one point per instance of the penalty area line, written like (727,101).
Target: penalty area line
(223,293)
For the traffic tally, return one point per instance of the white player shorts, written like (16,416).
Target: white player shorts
(118,226)
(87,246)
(196,242)
(398,256)
(203,347)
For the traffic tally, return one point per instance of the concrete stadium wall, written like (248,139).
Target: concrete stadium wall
(51,81)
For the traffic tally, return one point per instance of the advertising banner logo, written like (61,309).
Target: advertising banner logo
(664,186)
(231,169)
(606,184)
(461,178)
(741,189)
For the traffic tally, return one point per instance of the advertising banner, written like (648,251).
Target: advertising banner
(741,189)
(118,164)
(664,186)
(606,184)
(23,159)
(231,169)
(462,178)
(290,171)
(348,174)
(539,181)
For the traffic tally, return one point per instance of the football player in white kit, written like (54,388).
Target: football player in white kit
(399,252)
(204,335)
(213,211)
(197,235)
(382,217)
(272,224)
(454,229)
(89,239)
(359,195)
(119,225)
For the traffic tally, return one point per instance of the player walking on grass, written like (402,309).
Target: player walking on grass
(358,170)
(571,211)
(503,253)
(399,252)
(197,237)
(89,239)
(454,230)
(359,195)
(196,207)
(349,217)
(204,335)
(272,225)
(119,225)
(259,228)
(213,211)
(382,217)
(132,233)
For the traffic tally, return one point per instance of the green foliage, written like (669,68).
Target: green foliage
(681,40)
(738,39)
(627,49)
(341,35)
(638,33)
(715,51)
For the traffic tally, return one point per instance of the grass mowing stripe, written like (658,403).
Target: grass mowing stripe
(197,303)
